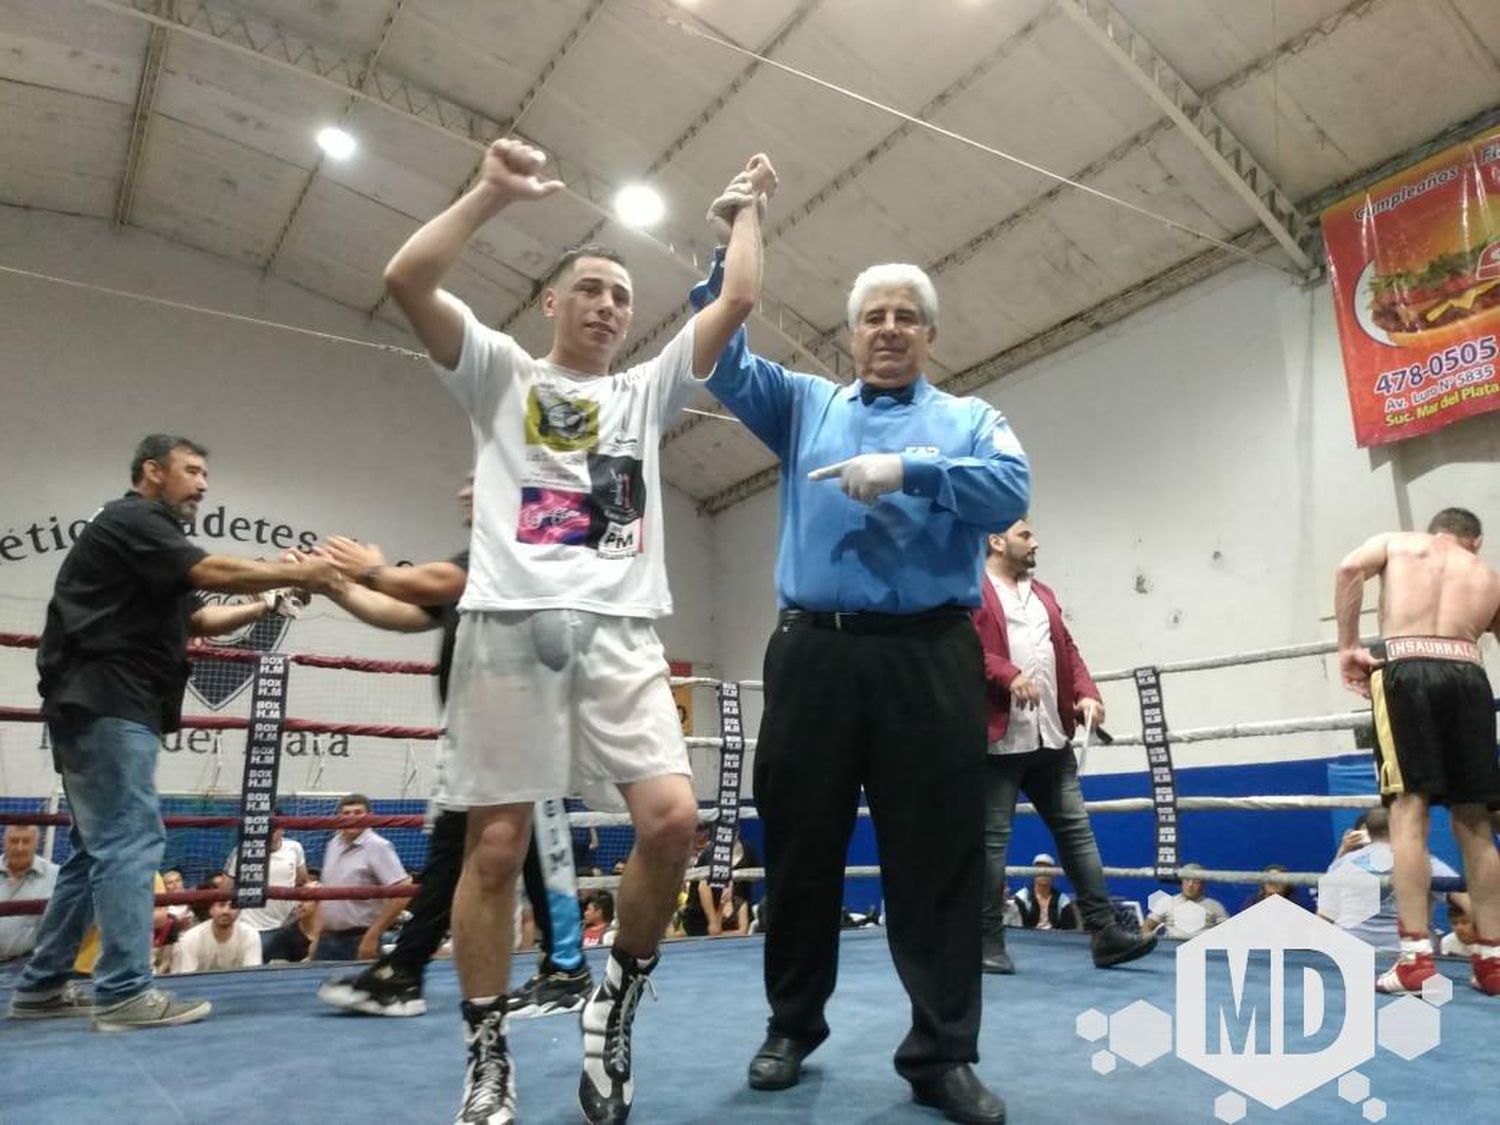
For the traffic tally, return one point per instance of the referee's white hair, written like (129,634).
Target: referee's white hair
(895,275)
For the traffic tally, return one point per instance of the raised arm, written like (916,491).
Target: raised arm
(760,393)
(716,324)
(1360,565)
(509,173)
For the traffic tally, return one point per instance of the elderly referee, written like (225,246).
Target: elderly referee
(874,676)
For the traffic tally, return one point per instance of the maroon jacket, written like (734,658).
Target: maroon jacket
(1073,679)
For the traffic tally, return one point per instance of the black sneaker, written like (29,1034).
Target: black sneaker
(1115,945)
(606,1089)
(550,993)
(489,1081)
(381,990)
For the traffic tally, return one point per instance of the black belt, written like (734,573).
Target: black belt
(871,622)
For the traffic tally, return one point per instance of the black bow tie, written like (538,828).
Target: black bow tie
(868,394)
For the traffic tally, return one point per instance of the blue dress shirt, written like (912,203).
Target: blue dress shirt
(965,476)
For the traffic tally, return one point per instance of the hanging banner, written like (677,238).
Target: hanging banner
(258,795)
(731,758)
(1163,775)
(1414,262)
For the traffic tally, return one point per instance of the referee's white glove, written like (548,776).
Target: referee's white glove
(865,478)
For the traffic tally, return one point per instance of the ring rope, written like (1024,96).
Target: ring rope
(1271,803)
(231,722)
(1231,660)
(1440,884)
(13,907)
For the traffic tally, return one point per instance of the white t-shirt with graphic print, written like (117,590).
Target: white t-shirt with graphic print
(567,477)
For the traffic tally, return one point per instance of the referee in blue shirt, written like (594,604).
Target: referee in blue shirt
(874,676)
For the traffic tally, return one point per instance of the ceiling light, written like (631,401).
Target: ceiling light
(639,206)
(336,143)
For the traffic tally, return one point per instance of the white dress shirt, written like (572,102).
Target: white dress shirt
(1029,633)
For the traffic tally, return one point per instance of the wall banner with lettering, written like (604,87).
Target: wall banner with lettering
(1414,262)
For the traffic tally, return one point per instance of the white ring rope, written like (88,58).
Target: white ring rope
(1272,803)
(1346,720)
(1234,659)
(1201,664)
(1244,878)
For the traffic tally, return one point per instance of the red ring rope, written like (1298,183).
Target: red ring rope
(369,820)
(303,894)
(249,656)
(229,722)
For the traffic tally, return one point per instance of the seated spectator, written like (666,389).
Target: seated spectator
(1041,906)
(598,919)
(702,836)
(351,929)
(292,940)
(709,913)
(27,875)
(172,882)
(218,881)
(1460,943)
(223,942)
(1192,892)
(1273,887)
(1375,857)
(286,866)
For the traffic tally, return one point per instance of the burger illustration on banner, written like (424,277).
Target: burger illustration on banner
(1432,295)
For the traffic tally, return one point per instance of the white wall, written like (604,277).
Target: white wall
(316,435)
(1195,484)
(1195,481)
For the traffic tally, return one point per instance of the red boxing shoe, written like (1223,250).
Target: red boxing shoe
(1408,974)
(1486,964)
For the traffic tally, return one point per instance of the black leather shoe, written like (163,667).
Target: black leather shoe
(778,1063)
(961,1097)
(1114,945)
(994,959)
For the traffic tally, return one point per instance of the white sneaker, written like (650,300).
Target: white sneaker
(152,1008)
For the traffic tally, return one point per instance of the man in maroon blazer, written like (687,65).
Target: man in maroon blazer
(1038,690)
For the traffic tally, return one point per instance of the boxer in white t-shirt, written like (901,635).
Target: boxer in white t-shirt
(559,683)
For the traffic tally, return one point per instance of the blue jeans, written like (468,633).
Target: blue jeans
(108,769)
(1050,779)
(339,946)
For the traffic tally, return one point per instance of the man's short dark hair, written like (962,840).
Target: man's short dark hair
(1378,824)
(606,904)
(159,448)
(587,250)
(354,799)
(1458,522)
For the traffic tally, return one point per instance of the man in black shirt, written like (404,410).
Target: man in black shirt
(413,599)
(113,666)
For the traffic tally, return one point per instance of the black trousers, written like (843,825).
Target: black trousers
(432,908)
(901,713)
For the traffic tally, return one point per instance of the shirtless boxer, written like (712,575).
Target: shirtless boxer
(1434,720)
